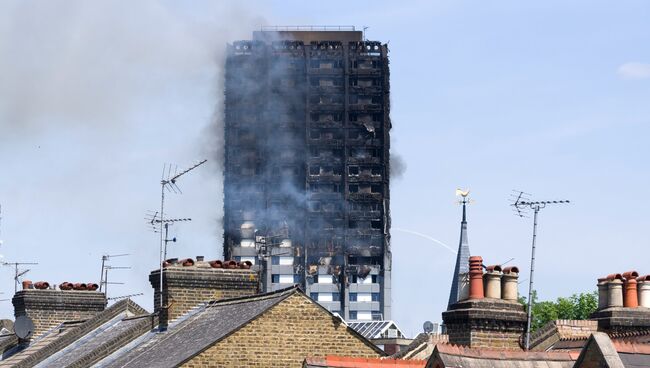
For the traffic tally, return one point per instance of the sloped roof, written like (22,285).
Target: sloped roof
(449,355)
(633,355)
(194,332)
(199,329)
(563,334)
(332,361)
(373,329)
(65,345)
(422,346)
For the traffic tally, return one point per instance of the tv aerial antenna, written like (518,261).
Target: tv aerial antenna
(154,221)
(521,204)
(18,272)
(124,296)
(168,182)
(103,283)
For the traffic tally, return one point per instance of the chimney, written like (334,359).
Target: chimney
(492,281)
(187,284)
(615,290)
(48,307)
(644,291)
(495,320)
(626,309)
(510,283)
(476,277)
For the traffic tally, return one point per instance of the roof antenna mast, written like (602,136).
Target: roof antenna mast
(168,182)
(521,203)
(17,272)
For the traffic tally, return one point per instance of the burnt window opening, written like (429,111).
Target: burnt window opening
(353,134)
(314,152)
(314,205)
(314,134)
(314,170)
(353,224)
(376,171)
(353,170)
(330,207)
(376,224)
(353,188)
(375,188)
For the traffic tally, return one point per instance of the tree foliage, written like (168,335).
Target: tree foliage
(577,306)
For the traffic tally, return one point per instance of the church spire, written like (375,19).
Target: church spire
(458,285)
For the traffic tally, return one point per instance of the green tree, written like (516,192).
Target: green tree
(577,306)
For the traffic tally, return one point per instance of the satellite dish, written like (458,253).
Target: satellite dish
(428,326)
(24,327)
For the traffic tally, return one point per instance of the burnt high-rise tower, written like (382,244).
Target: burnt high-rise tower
(307,165)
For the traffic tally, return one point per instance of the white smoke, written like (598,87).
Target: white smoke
(94,98)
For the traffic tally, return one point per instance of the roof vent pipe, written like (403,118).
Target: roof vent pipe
(615,292)
(631,299)
(492,282)
(602,293)
(644,291)
(510,284)
(476,277)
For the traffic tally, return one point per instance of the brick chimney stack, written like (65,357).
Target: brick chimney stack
(623,303)
(48,308)
(491,319)
(188,283)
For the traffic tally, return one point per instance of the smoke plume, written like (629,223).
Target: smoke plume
(95,97)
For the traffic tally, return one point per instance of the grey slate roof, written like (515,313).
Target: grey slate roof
(65,345)
(194,332)
(100,342)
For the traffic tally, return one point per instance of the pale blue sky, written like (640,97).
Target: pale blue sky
(540,96)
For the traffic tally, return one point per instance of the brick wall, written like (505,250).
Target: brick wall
(187,287)
(283,337)
(562,329)
(49,308)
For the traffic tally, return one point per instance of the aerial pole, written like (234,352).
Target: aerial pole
(521,205)
(167,182)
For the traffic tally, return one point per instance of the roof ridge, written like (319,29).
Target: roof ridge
(502,354)
(254,297)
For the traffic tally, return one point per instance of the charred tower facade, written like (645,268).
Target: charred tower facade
(306,179)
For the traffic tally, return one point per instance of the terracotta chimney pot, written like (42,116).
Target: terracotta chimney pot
(630,275)
(631,297)
(492,282)
(476,278)
(510,284)
(615,293)
(187,262)
(216,264)
(27,284)
(41,285)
